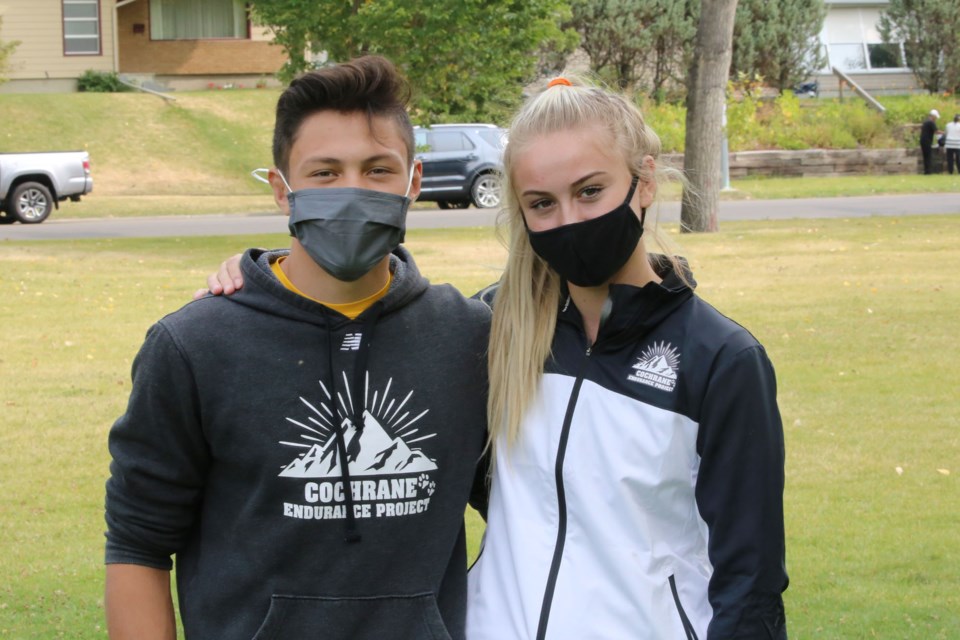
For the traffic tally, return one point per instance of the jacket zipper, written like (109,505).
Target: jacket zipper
(561,503)
(687,625)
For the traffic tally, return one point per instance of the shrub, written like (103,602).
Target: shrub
(100,82)
(789,122)
(668,120)
(6,51)
(742,124)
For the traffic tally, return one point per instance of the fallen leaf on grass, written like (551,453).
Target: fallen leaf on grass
(899,470)
(943,472)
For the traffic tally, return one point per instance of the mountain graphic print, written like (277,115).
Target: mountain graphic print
(381,447)
(377,454)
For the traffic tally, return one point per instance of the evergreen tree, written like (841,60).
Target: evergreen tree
(464,60)
(778,41)
(630,39)
(930,33)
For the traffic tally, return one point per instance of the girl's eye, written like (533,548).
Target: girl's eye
(591,191)
(543,203)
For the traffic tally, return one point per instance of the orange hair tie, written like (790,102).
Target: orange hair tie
(557,81)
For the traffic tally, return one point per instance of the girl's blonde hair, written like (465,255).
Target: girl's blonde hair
(526,305)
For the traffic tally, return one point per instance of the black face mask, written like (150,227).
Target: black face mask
(589,253)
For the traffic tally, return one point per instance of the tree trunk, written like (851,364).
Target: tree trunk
(706,96)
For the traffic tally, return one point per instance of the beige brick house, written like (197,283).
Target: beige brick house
(182,44)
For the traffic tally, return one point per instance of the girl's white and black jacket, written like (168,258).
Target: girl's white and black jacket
(644,498)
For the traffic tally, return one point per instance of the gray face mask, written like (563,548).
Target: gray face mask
(347,231)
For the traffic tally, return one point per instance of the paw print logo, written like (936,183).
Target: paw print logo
(424,483)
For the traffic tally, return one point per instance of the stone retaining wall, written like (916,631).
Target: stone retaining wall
(819,162)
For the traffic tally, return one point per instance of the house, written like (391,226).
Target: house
(180,44)
(852,43)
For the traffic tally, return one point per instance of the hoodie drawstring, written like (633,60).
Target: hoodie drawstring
(347,452)
(352,535)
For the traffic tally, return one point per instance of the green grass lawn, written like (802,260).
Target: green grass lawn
(863,340)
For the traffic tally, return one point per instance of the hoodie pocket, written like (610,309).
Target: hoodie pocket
(691,634)
(414,617)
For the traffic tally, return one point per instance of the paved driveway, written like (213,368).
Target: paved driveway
(215,225)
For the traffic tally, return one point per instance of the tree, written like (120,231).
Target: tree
(706,96)
(627,38)
(930,33)
(778,41)
(6,51)
(465,60)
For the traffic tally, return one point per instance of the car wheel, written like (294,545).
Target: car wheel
(486,191)
(30,203)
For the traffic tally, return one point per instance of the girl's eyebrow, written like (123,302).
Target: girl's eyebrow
(586,178)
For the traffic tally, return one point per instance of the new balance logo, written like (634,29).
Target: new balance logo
(657,367)
(351,342)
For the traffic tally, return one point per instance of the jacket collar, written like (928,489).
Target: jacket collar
(635,311)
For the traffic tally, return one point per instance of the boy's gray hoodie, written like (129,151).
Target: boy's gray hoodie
(229,458)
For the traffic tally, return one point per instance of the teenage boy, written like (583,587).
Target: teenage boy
(306,447)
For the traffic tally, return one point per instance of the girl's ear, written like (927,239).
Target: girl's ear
(647,185)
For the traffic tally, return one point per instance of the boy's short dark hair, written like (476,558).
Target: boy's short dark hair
(369,84)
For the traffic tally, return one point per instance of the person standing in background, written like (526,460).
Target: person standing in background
(928,131)
(953,144)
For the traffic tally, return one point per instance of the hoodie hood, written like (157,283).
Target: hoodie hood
(262,290)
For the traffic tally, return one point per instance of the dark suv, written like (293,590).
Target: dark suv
(462,164)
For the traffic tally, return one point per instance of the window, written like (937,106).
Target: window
(855,43)
(450,141)
(495,139)
(884,56)
(848,57)
(197,19)
(81,27)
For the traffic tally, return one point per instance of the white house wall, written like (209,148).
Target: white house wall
(849,28)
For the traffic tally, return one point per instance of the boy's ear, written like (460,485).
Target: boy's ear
(417,180)
(279,190)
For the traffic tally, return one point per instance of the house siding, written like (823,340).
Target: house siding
(140,54)
(38,25)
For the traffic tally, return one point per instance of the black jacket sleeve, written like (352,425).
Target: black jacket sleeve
(159,459)
(480,491)
(740,496)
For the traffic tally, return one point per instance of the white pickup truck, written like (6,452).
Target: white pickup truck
(33,184)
